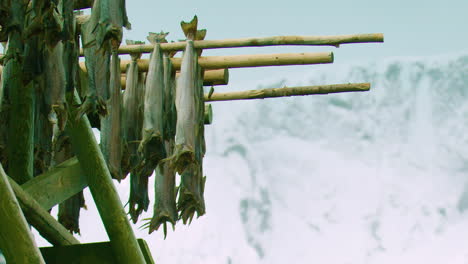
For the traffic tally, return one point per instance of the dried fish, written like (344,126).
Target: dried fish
(107,19)
(192,184)
(152,148)
(55,85)
(97,63)
(43,131)
(165,189)
(111,125)
(132,114)
(69,210)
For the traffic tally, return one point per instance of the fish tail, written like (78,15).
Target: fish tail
(190,28)
(201,34)
(160,37)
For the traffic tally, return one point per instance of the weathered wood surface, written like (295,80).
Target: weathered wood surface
(105,195)
(335,41)
(288,91)
(242,61)
(38,217)
(92,253)
(16,240)
(57,185)
(210,77)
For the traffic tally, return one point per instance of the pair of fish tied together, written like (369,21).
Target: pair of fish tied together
(172,131)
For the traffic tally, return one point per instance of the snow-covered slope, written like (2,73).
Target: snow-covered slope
(374,177)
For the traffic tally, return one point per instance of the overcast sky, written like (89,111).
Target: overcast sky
(411,28)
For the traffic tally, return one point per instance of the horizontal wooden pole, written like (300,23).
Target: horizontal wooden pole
(335,41)
(245,61)
(57,185)
(211,77)
(288,91)
(38,217)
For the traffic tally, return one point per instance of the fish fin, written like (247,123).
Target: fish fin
(154,38)
(201,34)
(190,28)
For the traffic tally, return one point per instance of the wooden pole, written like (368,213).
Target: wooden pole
(122,238)
(16,240)
(243,61)
(20,146)
(335,41)
(38,217)
(211,77)
(288,91)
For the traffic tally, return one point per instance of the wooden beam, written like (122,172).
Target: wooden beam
(105,195)
(335,41)
(243,61)
(91,253)
(16,240)
(38,217)
(211,77)
(57,185)
(288,91)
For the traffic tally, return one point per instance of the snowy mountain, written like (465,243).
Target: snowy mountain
(373,177)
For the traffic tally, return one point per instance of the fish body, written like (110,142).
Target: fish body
(111,125)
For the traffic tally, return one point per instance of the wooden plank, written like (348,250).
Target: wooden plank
(105,195)
(57,185)
(16,240)
(38,217)
(92,253)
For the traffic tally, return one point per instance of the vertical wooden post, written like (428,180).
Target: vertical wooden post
(122,238)
(21,98)
(16,240)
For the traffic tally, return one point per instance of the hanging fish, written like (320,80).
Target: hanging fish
(107,19)
(69,210)
(184,150)
(164,186)
(132,114)
(43,131)
(55,85)
(192,183)
(97,63)
(111,125)
(152,148)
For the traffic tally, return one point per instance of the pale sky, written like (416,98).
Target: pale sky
(411,28)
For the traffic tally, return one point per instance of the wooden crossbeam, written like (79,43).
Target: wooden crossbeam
(57,185)
(335,41)
(91,253)
(48,227)
(243,61)
(288,91)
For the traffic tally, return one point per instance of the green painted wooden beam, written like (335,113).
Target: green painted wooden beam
(57,185)
(16,240)
(92,253)
(105,195)
(38,217)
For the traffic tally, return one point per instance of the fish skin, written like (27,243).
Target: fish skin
(165,209)
(55,85)
(151,147)
(43,132)
(132,115)
(97,64)
(111,125)
(138,200)
(191,189)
